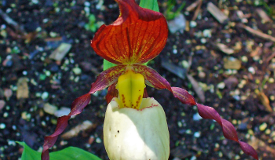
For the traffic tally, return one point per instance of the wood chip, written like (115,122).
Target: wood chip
(84,126)
(257,33)
(196,88)
(11,22)
(216,12)
(224,48)
(232,63)
(265,18)
(256,51)
(265,101)
(59,53)
(22,88)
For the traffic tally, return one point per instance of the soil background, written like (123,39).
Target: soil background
(231,69)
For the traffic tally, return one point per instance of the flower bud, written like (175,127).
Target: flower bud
(136,134)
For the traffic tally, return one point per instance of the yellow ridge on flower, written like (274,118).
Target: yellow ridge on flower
(130,88)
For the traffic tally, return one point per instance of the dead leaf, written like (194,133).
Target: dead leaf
(224,48)
(257,33)
(255,52)
(216,12)
(59,53)
(84,126)
(196,88)
(265,101)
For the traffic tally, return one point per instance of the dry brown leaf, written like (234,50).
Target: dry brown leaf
(224,48)
(196,88)
(265,101)
(255,52)
(257,33)
(84,126)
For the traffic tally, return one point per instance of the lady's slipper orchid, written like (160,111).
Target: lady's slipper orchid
(137,36)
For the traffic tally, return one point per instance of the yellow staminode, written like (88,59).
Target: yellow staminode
(130,88)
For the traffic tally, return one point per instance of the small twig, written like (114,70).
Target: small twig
(197,10)
(257,33)
(11,22)
(192,6)
(270,57)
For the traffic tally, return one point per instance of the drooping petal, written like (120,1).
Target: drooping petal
(103,80)
(206,112)
(112,92)
(228,129)
(183,96)
(137,36)
(107,78)
(152,77)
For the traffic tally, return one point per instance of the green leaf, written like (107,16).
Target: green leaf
(149,4)
(69,153)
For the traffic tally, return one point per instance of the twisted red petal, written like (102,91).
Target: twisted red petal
(152,77)
(112,92)
(228,129)
(137,36)
(206,112)
(103,80)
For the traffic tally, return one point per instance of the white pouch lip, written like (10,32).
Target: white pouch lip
(136,134)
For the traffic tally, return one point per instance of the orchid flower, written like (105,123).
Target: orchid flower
(136,37)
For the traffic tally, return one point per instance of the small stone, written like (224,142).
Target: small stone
(207,33)
(197,134)
(251,70)
(202,74)
(262,127)
(77,71)
(221,85)
(62,112)
(178,23)
(50,109)
(45,95)
(2,126)
(193,24)
(185,64)
(7,93)
(197,117)
(26,116)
